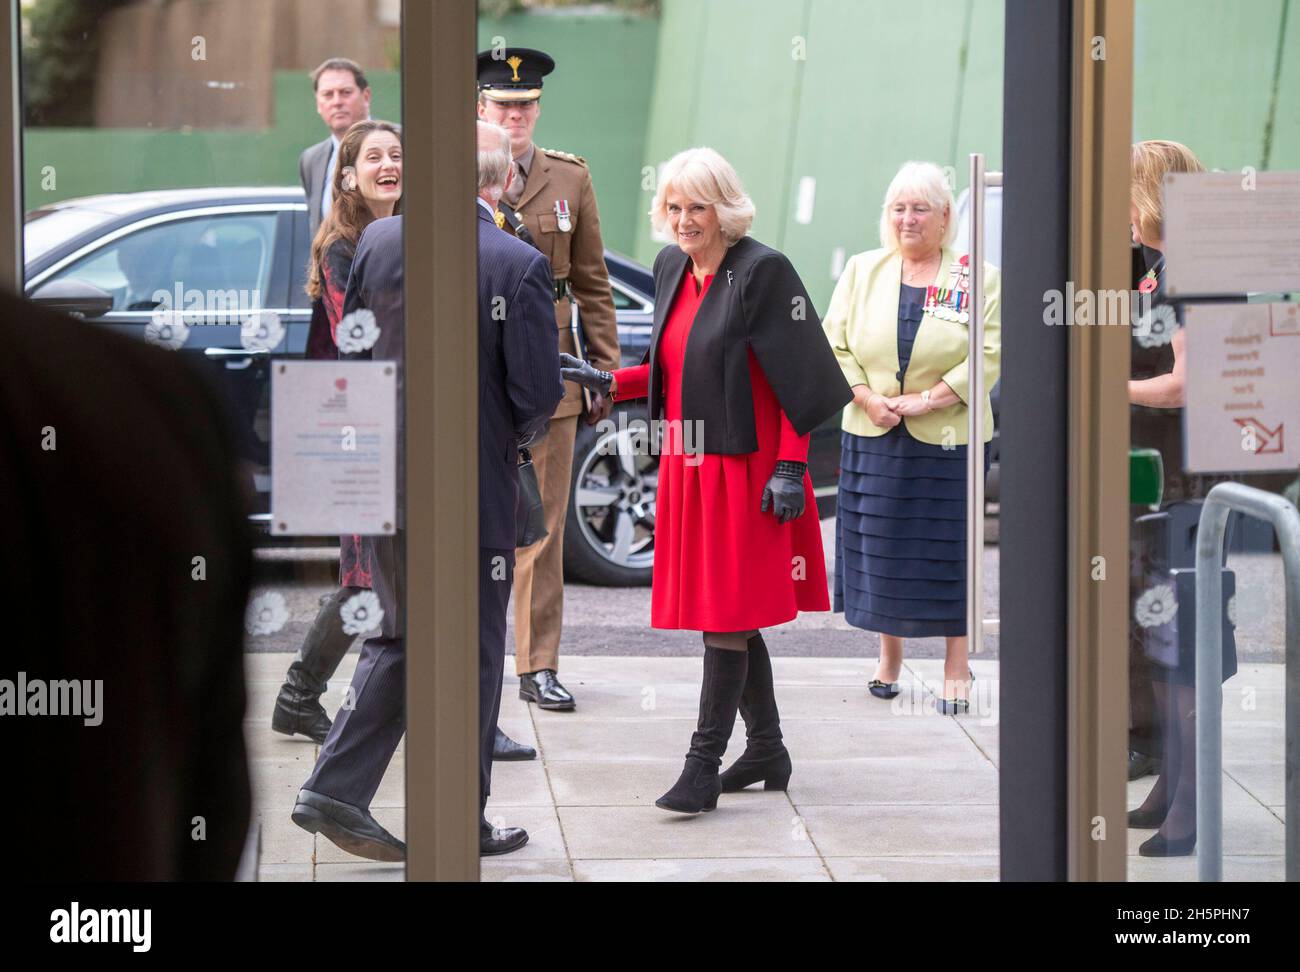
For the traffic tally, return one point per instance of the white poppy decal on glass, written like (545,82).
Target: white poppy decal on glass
(1156,606)
(266,614)
(1156,328)
(262,330)
(358,332)
(361,612)
(1232,610)
(167,329)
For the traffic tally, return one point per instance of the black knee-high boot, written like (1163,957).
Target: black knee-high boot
(765,759)
(724,680)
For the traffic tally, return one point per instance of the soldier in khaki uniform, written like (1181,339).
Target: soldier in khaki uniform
(551,205)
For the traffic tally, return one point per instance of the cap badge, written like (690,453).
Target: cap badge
(515,63)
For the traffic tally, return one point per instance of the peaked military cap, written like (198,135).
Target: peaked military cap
(513,73)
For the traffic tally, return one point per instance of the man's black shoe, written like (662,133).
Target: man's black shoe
(505,749)
(350,828)
(500,840)
(544,689)
(300,711)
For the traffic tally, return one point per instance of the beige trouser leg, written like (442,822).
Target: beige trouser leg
(539,569)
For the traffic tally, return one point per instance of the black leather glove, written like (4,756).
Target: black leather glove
(575,369)
(783,494)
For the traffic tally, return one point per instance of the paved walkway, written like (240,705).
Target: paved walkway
(881,791)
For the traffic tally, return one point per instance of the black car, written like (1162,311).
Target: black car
(241,255)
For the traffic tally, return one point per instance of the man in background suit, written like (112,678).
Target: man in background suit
(519,378)
(342,100)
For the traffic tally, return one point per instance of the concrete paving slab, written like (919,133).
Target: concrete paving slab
(503,868)
(283,841)
(969,779)
(904,831)
(738,828)
(273,873)
(1262,868)
(977,868)
(711,869)
(362,871)
(612,782)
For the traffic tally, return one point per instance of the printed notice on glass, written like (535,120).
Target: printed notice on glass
(333,447)
(1232,233)
(1243,399)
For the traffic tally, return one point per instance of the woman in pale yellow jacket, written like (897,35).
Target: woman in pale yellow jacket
(898,322)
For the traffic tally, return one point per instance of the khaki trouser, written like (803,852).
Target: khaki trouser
(539,569)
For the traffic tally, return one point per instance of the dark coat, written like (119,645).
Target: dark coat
(102,530)
(518,364)
(518,370)
(756,302)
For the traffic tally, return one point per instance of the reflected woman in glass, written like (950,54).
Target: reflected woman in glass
(738,367)
(898,323)
(1162,664)
(367,185)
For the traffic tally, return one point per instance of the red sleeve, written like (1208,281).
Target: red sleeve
(792,446)
(335,268)
(634,382)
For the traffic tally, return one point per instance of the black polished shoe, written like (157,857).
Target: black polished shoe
(1160,846)
(500,840)
(545,689)
(1140,819)
(505,749)
(299,711)
(1140,765)
(347,827)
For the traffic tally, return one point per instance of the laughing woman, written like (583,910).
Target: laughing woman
(737,361)
(898,323)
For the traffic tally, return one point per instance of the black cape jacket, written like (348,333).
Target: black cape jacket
(758,302)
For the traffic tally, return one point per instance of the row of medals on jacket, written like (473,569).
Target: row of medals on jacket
(951,303)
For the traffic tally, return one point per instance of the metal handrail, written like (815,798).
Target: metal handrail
(1221,500)
(979,181)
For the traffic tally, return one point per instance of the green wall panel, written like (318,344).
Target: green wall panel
(1203,75)
(1285,152)
(596,101)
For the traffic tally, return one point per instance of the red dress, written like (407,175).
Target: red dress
(720,563)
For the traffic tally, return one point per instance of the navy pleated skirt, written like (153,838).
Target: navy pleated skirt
(900,535)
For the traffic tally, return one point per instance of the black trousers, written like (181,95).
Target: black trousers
(365,735)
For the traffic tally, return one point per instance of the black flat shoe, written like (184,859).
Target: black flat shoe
(1158,846)
(772,771)
(545,690)
(300,712)
(347,827)
(1140,819)
(500,840)
(882,690)
(505,749)
(954,706)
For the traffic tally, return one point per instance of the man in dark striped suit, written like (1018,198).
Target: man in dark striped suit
(520,386)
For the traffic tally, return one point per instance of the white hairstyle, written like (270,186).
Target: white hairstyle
(918,180)
(704,176)
(493,164)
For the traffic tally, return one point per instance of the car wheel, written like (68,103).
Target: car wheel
(609,526)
